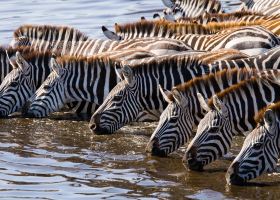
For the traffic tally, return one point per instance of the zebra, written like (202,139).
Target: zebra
(90,47)
(160,28)
(74,82)
(230,112)
(21,82)
(274,10)
(259,5)
(260,150)
(194,8)
(31,70)
(47,33)
(267,60)
(187,117)
(183,112)
(139,89)
(251,40)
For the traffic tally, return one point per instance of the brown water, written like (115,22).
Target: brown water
(61,159)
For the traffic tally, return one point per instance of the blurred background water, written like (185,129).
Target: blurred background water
(61,159)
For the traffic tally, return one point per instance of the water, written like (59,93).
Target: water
(61,159)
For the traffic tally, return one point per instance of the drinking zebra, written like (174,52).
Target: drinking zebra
(31,70)
(260,150)
(170,134)
(230,112)
(68,82)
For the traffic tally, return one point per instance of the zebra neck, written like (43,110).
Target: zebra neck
(5,65)
(90,81)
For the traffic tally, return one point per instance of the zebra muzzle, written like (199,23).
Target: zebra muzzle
(190,158)
(153,147)
(232,176)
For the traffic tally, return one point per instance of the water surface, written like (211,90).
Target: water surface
(61,159)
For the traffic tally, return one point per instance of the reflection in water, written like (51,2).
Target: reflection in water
(59,158)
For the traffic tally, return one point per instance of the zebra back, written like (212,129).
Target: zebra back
(167,29)
(267,60)
(194,8)
(222,17)
(50,33)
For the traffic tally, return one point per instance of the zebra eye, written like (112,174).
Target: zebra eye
(118,97)
(214,129)
(46,87)
(257,145)
(174,117)
(13,84)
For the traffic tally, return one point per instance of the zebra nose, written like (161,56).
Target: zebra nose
(153,147)
(232,175)
(93,125)
(190,158)
(3,113)
(25,108)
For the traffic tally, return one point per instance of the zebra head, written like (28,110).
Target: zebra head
(259,153)
(51,95)
(213,137)
(174,125)
(121,106)
(16,87)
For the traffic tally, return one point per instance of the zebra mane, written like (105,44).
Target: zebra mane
(27,52)
(260,115)
(226,74)
(42,32)
(162,27)
(268,75)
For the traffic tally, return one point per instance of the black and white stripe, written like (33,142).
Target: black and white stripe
(230,112)
(139,90)
(86,79)
(183,113)
(260,150)
(194,8)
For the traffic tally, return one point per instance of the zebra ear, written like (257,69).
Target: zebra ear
(165,93)
(12,60)
(127,74)
(269,118)
(203,102)
(22,64)
(219,105)
(118,70)
(56,67)
(177,95)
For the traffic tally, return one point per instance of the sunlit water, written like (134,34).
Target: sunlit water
(61,159)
